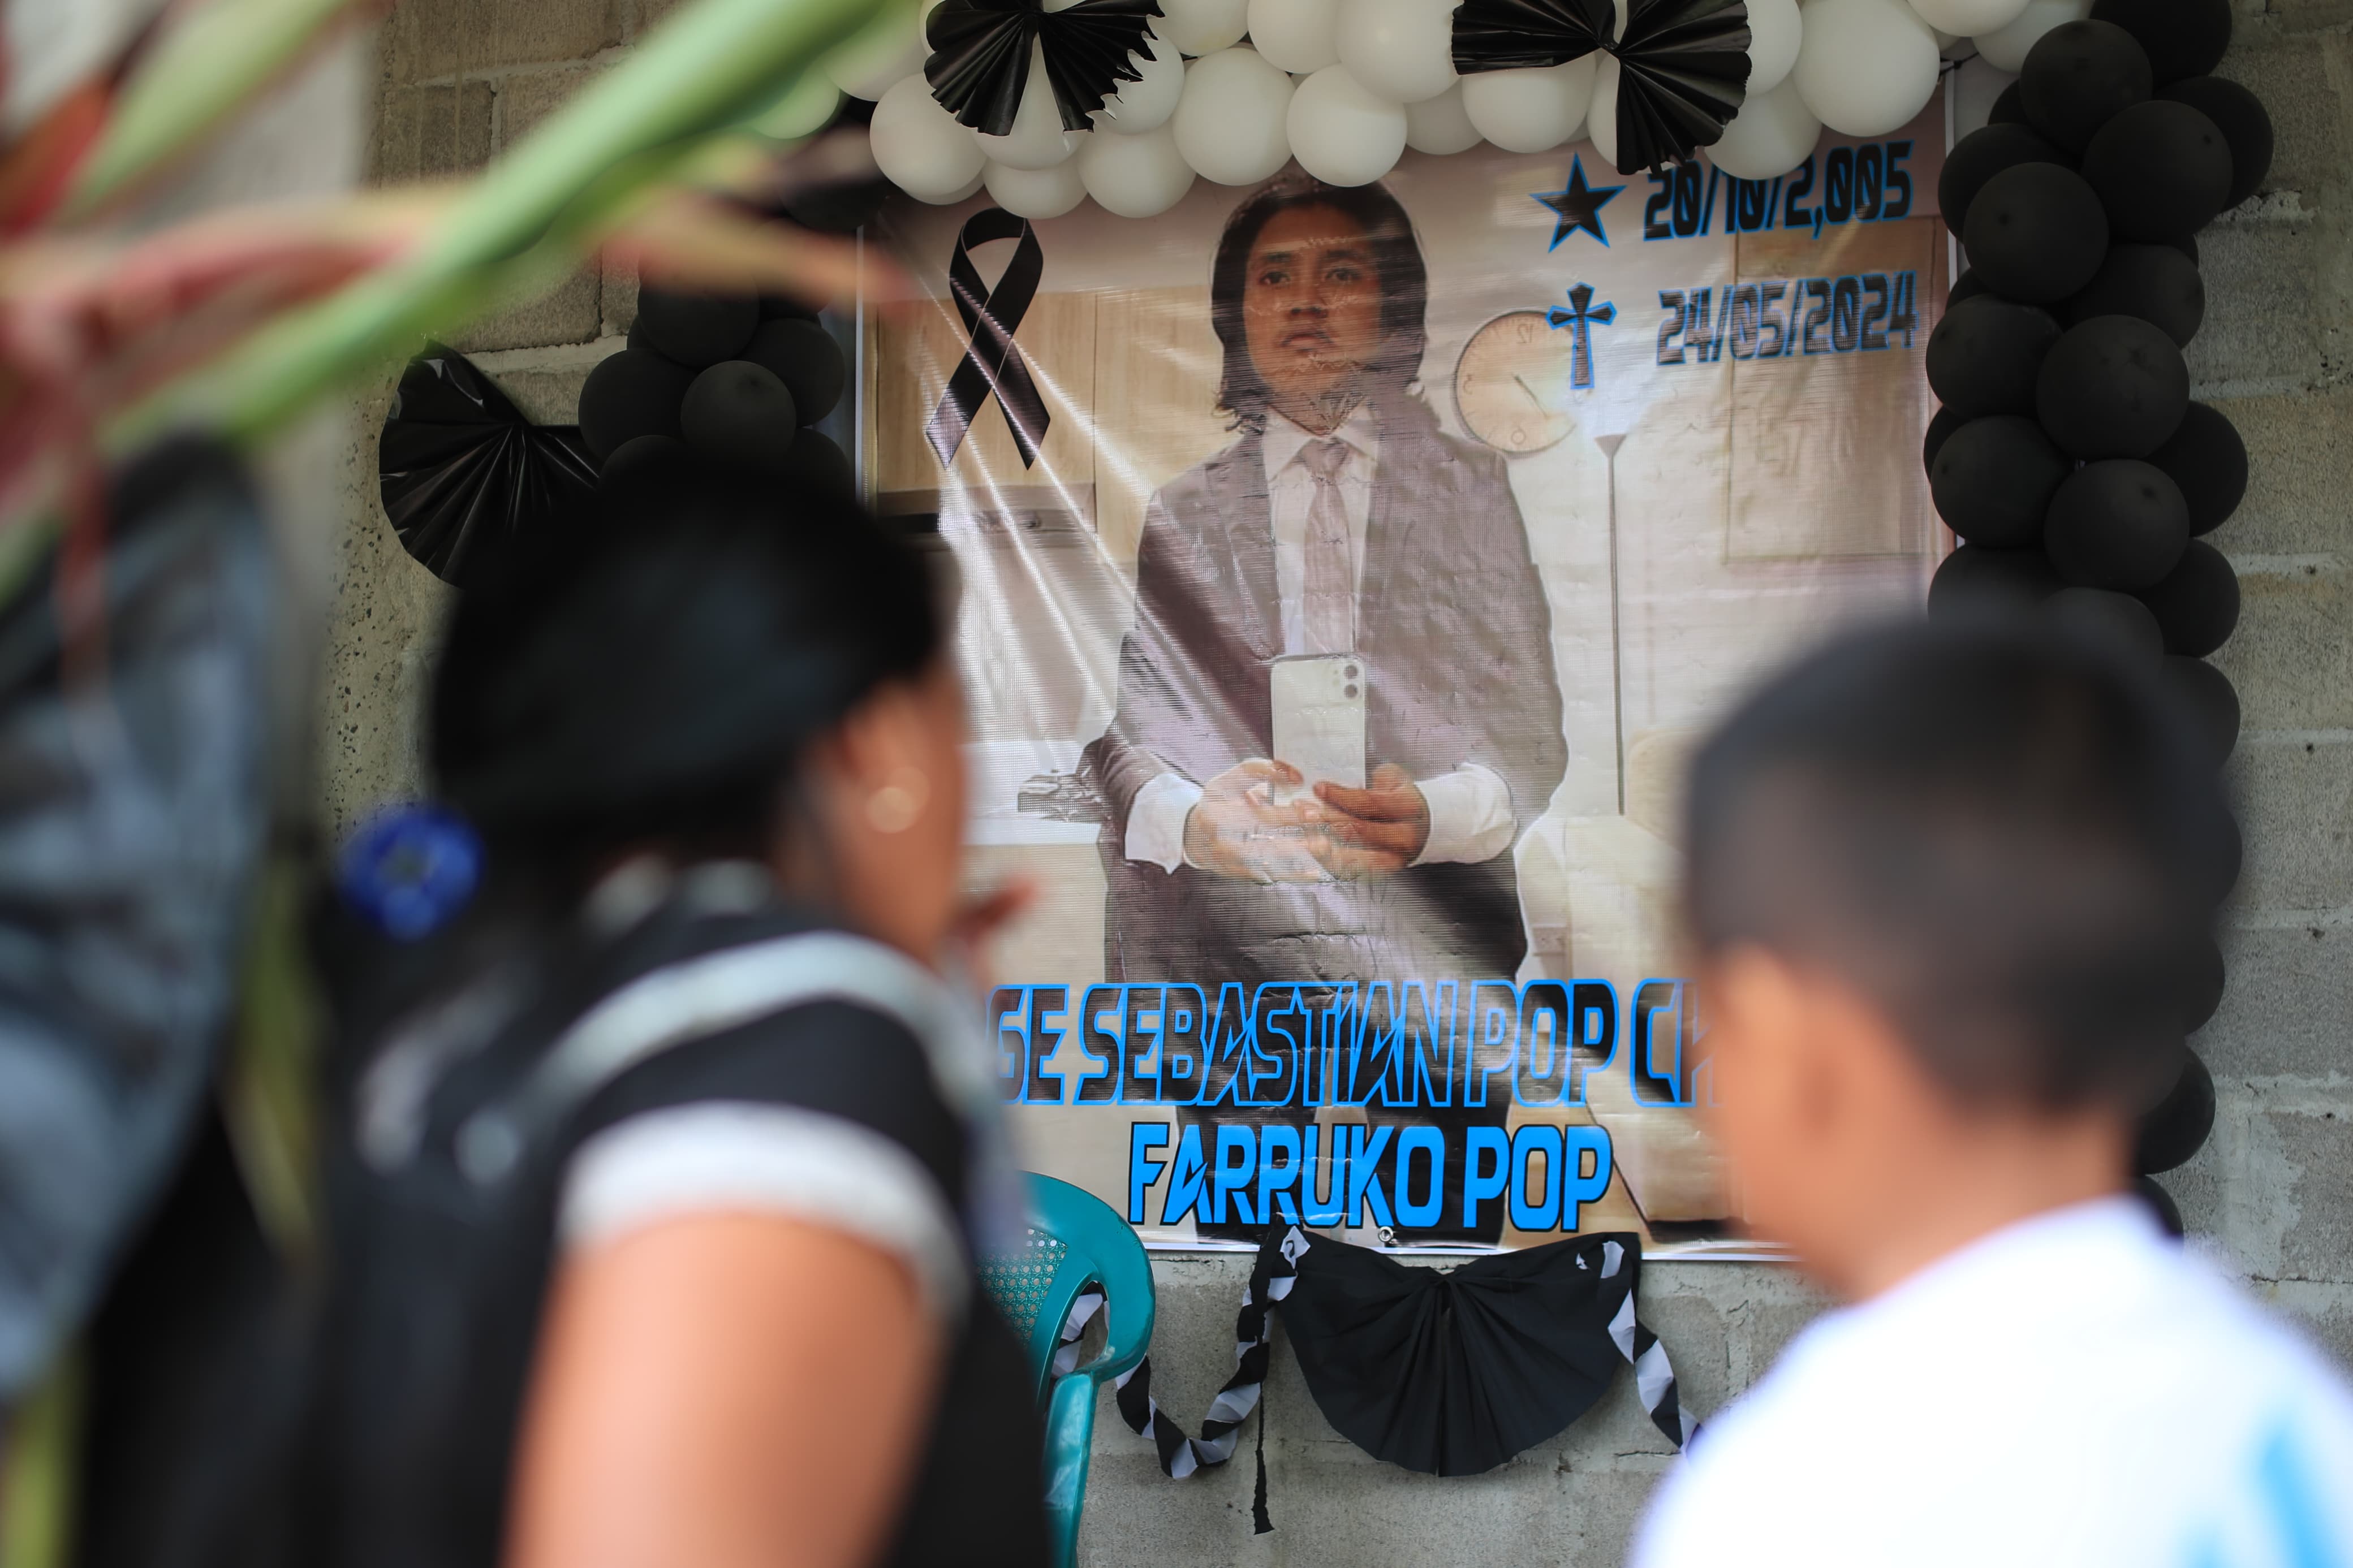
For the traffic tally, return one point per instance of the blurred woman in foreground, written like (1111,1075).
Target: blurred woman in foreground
(659,1229)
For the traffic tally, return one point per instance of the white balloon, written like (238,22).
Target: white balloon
(1037,140)
(1530,111)
(1341,133)
(1140,106)
(1967,19)
(1402,50)
(1036,192)
(1774,32)
(1203,27)
(1772,134)
(1135,177)
(1297,35)
(1231,122)
(919,146)
(1866,66)
(1441,124)
(950,198)
(1601,110)
(2004,48)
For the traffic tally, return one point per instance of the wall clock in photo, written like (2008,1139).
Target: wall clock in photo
(1511,385)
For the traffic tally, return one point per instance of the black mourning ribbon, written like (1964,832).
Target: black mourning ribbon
(980,56)
(993,362)
(1682,64)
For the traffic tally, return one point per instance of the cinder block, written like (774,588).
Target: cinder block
(425,39)
(2271,312)
(2292,655)
(2299,449)
(2323,1311)
(2295,814)
(2291,74)
(620,298)
(528,97)
(1698,1342)
(2287,1008)
(2318,1147)
(573,312)
(545,382)
(426,133)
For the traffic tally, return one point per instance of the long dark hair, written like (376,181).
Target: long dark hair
(654,674)
(1396,256)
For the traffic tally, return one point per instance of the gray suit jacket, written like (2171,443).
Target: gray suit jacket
(1455,632)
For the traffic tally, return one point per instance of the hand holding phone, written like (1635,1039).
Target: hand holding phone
(1319,716)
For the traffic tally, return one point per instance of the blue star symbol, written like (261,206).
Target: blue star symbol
(1577,206)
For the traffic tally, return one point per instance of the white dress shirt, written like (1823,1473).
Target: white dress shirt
(1470,808)
(2074,1391)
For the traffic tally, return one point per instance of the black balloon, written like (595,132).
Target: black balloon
(1993,479)
(2114,386)
(2197,603)
(804,356)
(777,307)
(634,393)
(2176,1126)
(741,412)
(1942,425)
(695,329)
(2155,282)
(2208,461)
(2160,1206)
(1985,356)
(2239,115)
(2186,244)
(1978,157)
(2119,620)
(1966,286)
(2207,696)
(2078,76)
(1973,581)
(2116,525)
(2036,232)
(815,464)
(2161,169)
(2182,38)
(2007,108)
(636,460)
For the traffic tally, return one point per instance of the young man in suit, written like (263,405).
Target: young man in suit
(1341,521)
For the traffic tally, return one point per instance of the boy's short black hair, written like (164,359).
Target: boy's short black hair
(2001,834)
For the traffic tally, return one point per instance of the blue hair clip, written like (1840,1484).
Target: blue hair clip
(409,870)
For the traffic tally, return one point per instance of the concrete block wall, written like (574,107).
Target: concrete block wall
(2272,1195)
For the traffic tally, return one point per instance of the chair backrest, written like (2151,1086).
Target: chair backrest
(1075,1239)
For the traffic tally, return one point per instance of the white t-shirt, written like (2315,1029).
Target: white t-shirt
(2075,1389)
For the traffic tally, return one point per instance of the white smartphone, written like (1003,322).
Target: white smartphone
(1319,716)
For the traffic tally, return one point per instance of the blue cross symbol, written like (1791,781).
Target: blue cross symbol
(1584,315)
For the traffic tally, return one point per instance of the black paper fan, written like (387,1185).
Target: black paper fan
(979,63)
(462,472)
(1682,64)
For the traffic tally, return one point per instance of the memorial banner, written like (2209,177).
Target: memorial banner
(1343,575)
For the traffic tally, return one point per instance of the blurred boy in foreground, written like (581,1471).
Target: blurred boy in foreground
(1943,882)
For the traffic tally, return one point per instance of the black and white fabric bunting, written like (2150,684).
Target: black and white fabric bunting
(1683,64)
(993,362)
(1447,1372)
(979,64)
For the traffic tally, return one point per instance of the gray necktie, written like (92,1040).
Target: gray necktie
(1328,591)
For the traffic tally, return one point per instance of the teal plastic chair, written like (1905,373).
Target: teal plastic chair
(1076,1241)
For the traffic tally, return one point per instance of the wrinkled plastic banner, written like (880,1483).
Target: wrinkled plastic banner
(1470,498)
